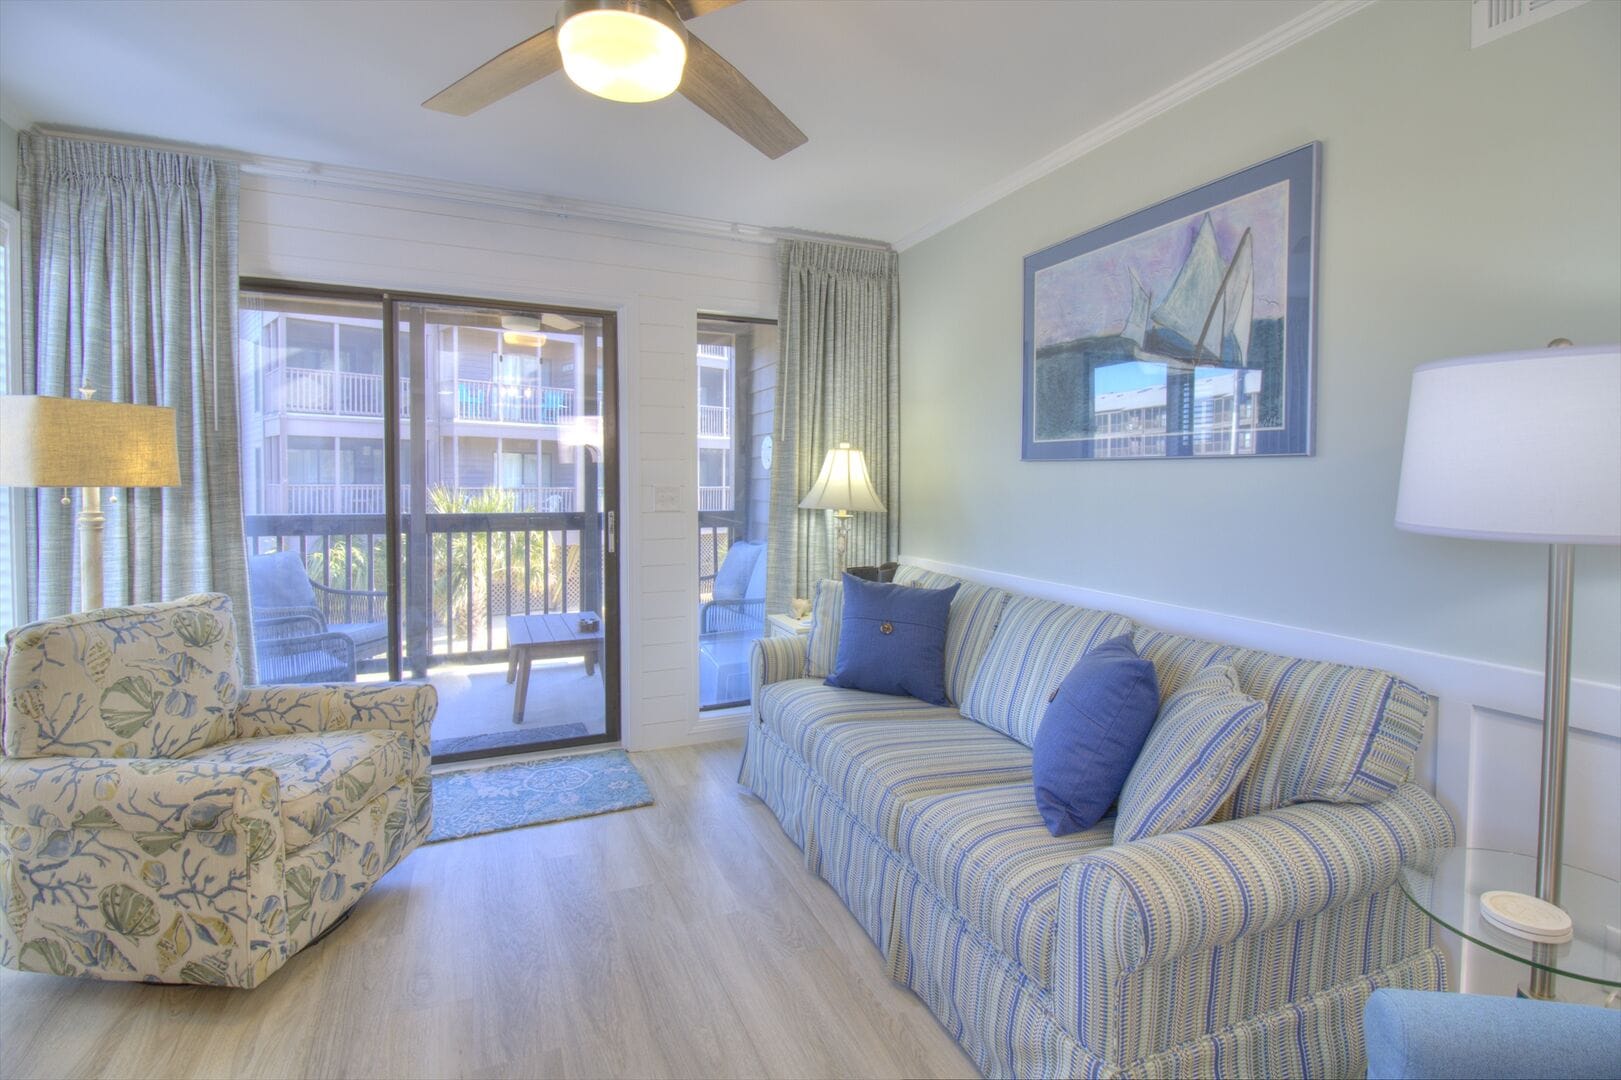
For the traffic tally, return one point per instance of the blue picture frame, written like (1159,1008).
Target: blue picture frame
(1184,330)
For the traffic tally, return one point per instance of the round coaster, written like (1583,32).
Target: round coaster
(1526,916)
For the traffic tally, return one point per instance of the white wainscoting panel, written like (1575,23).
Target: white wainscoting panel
(1481,757)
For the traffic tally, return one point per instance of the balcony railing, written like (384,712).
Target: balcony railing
(368,498)
(477,569)
(714,421)
(511,403)
(335,393)
(714,498)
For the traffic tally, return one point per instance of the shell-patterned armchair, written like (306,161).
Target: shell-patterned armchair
(159,822)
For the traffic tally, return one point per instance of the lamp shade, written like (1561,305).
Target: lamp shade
(72,442)
(1516,446)
(843,483)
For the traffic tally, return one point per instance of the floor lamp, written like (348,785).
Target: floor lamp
(1523,447)
(842,486)
(62,442)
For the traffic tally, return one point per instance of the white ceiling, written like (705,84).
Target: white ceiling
(913,107)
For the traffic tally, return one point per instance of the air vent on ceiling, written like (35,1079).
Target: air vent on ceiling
(1493,19)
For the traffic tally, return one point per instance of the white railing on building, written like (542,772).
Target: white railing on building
(368,498)
(714,498)
(511,403)
(714,352)
(714,421)
(337,393)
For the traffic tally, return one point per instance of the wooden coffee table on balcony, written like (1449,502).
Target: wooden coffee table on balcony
(544,637)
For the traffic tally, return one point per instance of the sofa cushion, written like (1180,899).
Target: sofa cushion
(975,611)
(796,710)
(1334,733)
(325,777)
(893,640)
(156,681)
(1035,645)
(988,853)
(1177,659)
(827,617)
(1202,745)
(878,767)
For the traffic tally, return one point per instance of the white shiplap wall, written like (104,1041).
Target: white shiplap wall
(656,280)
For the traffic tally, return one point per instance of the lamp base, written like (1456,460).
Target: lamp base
(1526,917)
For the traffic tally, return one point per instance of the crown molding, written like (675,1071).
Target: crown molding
(374,180)
(1291,33)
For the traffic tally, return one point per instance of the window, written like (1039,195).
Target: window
(737,377)
(309,344)
(360,349)
(309,460)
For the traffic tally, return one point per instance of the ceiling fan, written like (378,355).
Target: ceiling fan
(631,50)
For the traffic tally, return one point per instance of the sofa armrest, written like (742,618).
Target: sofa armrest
(285,710)
(774,659)
(1147,902)
(136,795)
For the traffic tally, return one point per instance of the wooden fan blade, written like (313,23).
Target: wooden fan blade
(691,9)
(719,89)
(524,63)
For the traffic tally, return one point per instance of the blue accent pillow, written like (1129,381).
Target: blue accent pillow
(1095,726)
(1207,737)
(892,640)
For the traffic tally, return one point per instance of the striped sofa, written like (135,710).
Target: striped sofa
(1245,947)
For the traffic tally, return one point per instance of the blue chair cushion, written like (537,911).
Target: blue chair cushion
(1416,1033)
(1091,734)
(733,576)
(892,640)
(1199,751)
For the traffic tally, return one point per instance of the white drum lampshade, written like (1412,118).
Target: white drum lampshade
(1516,446)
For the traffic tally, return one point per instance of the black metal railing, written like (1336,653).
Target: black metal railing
(479,569)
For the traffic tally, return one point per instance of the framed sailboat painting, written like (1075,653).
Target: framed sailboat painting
(1184,330)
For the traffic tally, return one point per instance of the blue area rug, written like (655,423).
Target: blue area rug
(498,797)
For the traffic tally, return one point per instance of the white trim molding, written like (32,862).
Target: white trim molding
(1291,33)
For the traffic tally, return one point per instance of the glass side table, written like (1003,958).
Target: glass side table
(1447,888)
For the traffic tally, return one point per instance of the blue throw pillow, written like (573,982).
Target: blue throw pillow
(892,640)
(1089,738)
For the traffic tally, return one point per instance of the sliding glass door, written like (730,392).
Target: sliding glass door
(430,494)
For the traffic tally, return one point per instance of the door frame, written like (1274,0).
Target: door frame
(390,301)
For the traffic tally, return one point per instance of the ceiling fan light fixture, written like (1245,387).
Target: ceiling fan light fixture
(622,50)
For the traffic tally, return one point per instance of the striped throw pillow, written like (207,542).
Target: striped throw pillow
(1203,743)
(827,615)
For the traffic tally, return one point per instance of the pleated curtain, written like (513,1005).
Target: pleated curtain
(839,316)
(129,287)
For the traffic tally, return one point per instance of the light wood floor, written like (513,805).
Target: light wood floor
(684,939)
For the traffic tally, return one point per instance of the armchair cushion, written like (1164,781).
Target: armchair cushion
(279,580)
(134,795)
(1413,1033)
(324,778)
(732,578)
(156,681)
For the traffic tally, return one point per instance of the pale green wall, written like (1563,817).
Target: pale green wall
(8,164)
(1471,202)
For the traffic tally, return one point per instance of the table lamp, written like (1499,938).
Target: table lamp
(843,486)
(1523,447)
(76,442)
